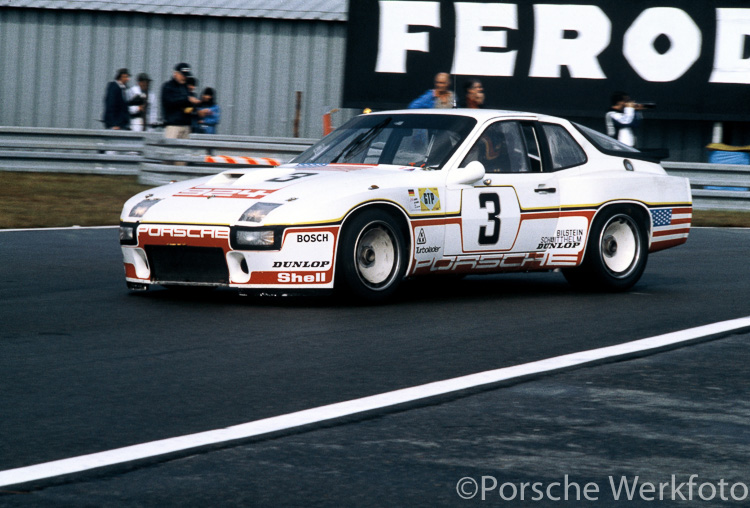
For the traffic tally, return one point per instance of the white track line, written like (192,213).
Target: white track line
(352,407)
(57,229)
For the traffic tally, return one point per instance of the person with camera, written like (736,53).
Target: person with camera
(142,105)
(177,103)
(623,115)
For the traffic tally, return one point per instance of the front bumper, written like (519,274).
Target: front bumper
(206,255)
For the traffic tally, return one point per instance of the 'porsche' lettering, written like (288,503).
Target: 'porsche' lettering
(188,232)
(525,261)
(301,278)
(312,238)
(301,264)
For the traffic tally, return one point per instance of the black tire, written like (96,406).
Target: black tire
(372,256)
(616,253)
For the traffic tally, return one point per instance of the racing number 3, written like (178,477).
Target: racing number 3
(492,218)
(289,178)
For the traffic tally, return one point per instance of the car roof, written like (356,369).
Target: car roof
(480,114)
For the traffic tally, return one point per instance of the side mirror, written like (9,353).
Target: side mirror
(473,172)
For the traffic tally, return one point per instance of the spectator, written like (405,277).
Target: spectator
(116,114)
(192,84)
(438,97)
(142,105)
(473,94)
(209,114)
(177,104)
(622,117)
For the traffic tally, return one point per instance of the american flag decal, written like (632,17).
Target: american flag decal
(662,217)
(670,226)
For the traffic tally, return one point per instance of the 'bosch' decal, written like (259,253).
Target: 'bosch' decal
(313,237)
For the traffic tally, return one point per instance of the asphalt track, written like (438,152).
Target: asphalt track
(86,366)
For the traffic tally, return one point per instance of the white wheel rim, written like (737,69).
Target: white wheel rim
(620,245)
(376,255)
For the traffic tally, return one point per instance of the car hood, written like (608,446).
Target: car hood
(302,188)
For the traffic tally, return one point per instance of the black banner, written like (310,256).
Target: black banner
(690,57)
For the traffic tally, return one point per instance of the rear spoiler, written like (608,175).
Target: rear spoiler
(657,154)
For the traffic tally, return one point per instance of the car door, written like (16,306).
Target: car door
(516,207)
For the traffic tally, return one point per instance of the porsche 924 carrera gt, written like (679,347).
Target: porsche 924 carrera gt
(400,194)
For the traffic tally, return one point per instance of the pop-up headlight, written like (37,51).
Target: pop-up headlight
(258,212)
(141,208)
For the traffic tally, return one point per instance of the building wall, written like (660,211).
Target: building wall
(54,66)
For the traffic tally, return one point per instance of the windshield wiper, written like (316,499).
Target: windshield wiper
(358,142)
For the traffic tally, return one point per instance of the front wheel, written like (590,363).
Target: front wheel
(372,257)
(616,254)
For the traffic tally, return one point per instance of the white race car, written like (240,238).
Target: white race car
(401,194)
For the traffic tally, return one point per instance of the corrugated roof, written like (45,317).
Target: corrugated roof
(326,10)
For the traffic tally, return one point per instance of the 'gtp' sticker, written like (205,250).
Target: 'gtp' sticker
(429,200)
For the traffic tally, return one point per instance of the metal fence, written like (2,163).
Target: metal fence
(83,151)
(156,160)
(166,160)
(715,186)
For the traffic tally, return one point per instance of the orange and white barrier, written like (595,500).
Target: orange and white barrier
(226,159)
(327,124)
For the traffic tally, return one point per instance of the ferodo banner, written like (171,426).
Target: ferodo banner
(690,57)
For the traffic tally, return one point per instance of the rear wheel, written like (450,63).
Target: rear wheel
(372,256)
(616,254)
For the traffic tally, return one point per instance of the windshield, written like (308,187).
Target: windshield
(425,141)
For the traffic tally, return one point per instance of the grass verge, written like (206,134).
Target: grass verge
(31,200)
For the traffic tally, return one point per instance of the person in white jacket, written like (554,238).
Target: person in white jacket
(142,105)
(623,115)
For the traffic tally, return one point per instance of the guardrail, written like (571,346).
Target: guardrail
(85,151)
(715,186)
(157,160)
(144,154)
(166,160)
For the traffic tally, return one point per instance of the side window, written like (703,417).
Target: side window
(532,147)
(502,149)
(564,150)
